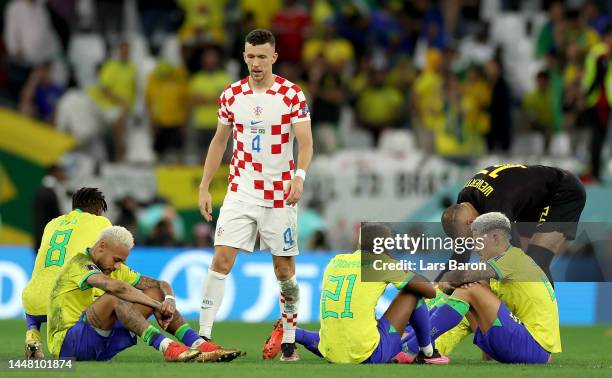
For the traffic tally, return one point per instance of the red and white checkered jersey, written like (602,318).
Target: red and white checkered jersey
(262,162)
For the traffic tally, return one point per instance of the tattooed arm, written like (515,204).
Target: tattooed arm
(148,282)
(168,306)
(122,290)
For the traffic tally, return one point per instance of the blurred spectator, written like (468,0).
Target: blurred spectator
(204,90)
(551,35)
(595,17)
(202,235)
(579,32)
(500,112)
(427,99)
(166,99)
(48,201)
(476,101)
(263,13)
(312,226)
(204,21)
(28,38)
(538,108)
(76,115)
(597,89)
(128,208)
(162,235)
(40,95)
(572,97)
(326,42)
(460,137)
(432,34)
(160,222)
(379,105)
(290,25)
(245,25)
(351,23)
(115,95)
(328,93)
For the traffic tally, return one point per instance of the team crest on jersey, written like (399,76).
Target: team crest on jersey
(219,231)
(258,111)
(91,267)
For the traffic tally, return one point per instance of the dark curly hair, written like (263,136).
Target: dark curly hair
(90,200)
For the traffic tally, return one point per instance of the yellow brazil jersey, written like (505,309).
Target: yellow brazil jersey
(63,238)
(208,85)
(166,95)
(120,79)
(524,288)
(71,295)
(348,321)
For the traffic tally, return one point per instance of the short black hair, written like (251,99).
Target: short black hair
(371,231)
(260,37)
(90,200)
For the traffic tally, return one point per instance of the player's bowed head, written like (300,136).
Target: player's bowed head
(494,232)
(457,218)
(112,248)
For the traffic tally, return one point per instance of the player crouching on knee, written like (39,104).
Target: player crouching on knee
(98,306)
(512,302)
(350,332)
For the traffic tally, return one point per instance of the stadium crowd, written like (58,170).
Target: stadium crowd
(464,78)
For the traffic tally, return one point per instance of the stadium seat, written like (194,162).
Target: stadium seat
(85,52)
(397,141)
(358,139)
(171,49)
(560,145)
(528,143)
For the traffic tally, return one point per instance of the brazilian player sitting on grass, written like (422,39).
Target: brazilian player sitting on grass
(512,302)
(350,332)
(87,328)
(64,237)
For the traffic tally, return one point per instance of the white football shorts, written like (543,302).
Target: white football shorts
(240,221)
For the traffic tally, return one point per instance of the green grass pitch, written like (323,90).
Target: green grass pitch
(587,352)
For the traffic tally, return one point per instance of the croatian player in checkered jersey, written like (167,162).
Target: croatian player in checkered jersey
(264,113)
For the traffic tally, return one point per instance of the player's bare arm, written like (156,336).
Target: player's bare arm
(122,290)
(420,286)
(303,134)
(168,306)
(211,165)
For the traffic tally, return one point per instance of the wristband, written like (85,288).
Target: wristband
(169,297)
(301,173)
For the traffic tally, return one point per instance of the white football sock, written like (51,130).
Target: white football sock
(289,300)
(164,344)
(428,350)
(212,297)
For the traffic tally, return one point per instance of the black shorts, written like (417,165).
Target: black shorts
(564,209)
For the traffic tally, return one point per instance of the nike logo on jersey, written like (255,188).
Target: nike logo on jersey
(288,248)
(255,122)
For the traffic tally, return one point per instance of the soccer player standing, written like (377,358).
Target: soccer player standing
(264,113)
(64,237)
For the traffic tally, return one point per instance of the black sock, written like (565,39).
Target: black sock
(542,256)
